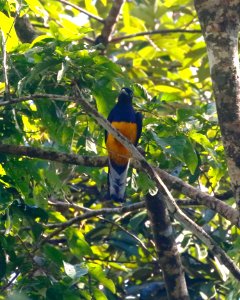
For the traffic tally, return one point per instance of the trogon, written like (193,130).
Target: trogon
(129,123)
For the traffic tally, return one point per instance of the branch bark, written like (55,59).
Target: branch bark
(168,255)
(163,31)
(111,21)
(35,97)
(220,25)
(172,182)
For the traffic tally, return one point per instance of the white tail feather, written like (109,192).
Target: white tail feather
(117,182)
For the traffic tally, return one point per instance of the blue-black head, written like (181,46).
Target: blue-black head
(125,95)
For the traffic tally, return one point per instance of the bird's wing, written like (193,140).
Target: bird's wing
(110,119)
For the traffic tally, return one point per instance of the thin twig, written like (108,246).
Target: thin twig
(130,234)
(82,10)
(87,215)
(11,281)
(119,210)
(152,32)
(35,97)
(5,67)
(90,213)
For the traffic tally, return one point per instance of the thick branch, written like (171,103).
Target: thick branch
(166,246)
(111,21)
(82,10)
(162,31)
(100,161)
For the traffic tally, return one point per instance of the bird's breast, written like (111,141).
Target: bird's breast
(117,152)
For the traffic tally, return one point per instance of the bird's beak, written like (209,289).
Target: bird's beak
(123,91)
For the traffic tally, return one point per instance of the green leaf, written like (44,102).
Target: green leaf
(91,8)
(200,139)
(105,98)
(190,156)
(97,272)
(37,229)
(99,295)
(77,243)
(54,254)
(85,295)
(141,92)
(36,212)
(144,182)
(185,114)
(138,220)
(179,147)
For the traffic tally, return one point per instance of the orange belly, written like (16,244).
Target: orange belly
(117,152)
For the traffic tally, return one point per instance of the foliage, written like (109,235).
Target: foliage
(101,258)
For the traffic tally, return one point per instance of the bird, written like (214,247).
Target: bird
(124,118)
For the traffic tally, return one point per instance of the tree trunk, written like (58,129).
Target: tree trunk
(219,20)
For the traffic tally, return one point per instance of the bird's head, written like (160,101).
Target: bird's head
(125,95)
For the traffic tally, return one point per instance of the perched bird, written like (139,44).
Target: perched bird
(129,123)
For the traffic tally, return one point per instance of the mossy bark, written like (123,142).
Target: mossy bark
(219,20)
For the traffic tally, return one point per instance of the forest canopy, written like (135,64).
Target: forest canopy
(60,238)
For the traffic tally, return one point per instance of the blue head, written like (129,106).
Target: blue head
(125,95)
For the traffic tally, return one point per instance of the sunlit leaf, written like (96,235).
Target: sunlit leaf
(97,272)
(99,295)
(37,8)
(9,33)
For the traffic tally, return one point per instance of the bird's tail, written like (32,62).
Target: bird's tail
(117,177)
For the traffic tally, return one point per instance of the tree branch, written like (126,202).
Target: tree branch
(161,31)
(82,10)
(172,182)
(103,212)
(168,255)
(5,66)
(35,97)
(87,215)
(111,21)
